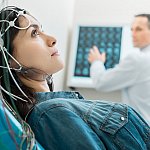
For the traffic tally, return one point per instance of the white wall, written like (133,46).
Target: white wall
(56,17)
(107,12)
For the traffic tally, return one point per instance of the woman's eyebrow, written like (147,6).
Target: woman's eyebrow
(34,26)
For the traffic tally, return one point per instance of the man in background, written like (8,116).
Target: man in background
(132,74)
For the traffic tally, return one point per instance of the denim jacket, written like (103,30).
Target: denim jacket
(65,121)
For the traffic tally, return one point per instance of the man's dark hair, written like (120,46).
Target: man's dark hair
(146,16)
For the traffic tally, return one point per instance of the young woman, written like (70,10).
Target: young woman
(59,120)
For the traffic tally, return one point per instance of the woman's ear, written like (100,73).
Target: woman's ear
(12,63)
(9,62)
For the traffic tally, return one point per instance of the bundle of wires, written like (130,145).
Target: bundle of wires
(21,136)
(26,136)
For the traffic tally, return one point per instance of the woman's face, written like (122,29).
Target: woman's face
(33,48)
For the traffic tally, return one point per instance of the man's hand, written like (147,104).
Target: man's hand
(94,55)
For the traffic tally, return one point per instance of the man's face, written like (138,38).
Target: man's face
(140,32)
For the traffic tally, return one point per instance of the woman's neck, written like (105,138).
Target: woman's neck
(37,86)
(41,86)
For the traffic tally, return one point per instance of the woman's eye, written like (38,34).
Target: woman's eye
(34,33)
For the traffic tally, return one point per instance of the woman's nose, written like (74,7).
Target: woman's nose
(51,41)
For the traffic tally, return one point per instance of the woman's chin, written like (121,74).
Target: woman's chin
(61,65)
(58,69)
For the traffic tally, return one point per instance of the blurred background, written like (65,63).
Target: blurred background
(61,18)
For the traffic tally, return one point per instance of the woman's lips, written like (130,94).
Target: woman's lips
(55,53)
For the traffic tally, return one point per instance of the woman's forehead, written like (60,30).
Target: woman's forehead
(27,20)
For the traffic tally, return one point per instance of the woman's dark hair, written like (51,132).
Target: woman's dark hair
(6,81)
